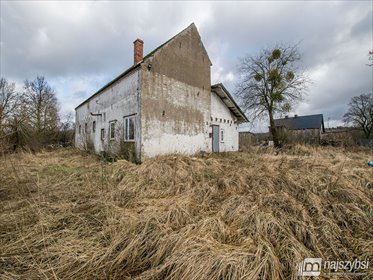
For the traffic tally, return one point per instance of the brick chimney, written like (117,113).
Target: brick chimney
(138,50)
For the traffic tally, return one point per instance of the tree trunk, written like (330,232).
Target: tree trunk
(366,132)
(273,129)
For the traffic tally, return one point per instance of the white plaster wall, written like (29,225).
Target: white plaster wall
(174,143)
(178,131)
(222,116)
(119,100)
(159,137)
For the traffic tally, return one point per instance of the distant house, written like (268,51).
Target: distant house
(163,104)
(305,129)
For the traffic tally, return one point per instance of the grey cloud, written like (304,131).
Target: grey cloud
(85,37)
(364,26)
(335,35)
(82,94)
(92,41)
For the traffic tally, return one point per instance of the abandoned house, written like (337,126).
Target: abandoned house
(163,104)
(301,129)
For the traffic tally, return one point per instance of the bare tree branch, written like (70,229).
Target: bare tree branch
(40,104)
(271,82)
(370,58)
(360,113)
(9,100)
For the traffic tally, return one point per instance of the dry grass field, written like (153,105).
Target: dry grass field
(249,215)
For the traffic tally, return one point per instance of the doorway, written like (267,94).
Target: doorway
(215,138)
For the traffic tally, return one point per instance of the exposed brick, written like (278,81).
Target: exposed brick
(138,50)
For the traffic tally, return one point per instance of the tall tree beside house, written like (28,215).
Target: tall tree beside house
(271,83)
(41,106)
(360,113)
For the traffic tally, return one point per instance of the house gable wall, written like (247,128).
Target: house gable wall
(184,59)
(169,93)
(175,97)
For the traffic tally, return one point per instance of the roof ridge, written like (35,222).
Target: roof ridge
(229,97)
(299,116)
(128,70)
(169,40)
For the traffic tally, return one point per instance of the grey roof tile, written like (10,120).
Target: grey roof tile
(302,122)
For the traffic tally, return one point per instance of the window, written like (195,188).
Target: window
(85,127)
(94,126)
(80,129)
(221,135)
(112,130)
(129,129)
(102,134)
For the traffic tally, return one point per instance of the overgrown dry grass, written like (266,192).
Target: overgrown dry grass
(252,215)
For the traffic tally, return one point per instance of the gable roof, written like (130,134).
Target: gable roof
(302,122)
(192,25)
(228,100)
(134,67)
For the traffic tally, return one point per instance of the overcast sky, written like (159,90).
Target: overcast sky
(80,46)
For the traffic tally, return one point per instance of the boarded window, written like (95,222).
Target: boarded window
(94,126)
(129,128)
(103,134)
(112,130)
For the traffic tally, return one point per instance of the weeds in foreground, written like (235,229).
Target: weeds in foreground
(253,215)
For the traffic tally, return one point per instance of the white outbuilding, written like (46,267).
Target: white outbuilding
(163,104)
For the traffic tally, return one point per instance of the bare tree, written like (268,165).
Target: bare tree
(66,129)
(41,104)
(271,83)
(370,58)
(360,113)
(8,101)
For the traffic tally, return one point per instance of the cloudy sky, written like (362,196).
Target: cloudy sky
(80,46)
